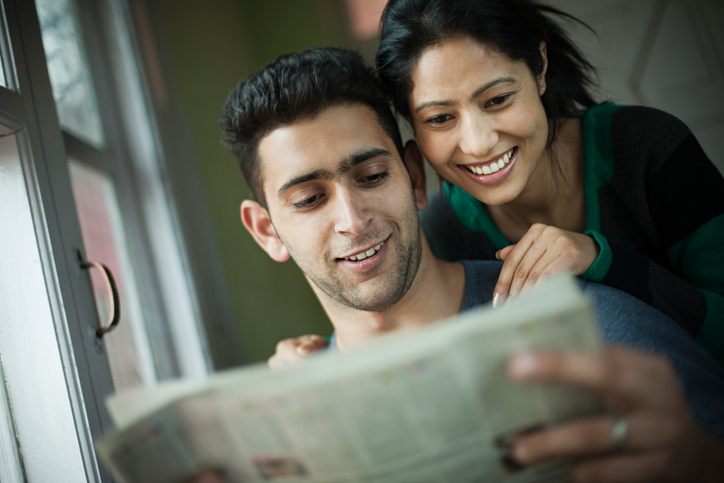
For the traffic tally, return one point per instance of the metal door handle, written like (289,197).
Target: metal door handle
(113,292)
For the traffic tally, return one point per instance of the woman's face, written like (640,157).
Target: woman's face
(479,119)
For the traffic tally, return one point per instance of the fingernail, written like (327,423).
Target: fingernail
(524,364)
(496,299)
(304,349)
(519,453)
(497,254)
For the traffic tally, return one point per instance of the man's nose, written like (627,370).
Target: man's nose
(478,135)
(353,214)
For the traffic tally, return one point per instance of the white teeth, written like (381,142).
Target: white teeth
(368,253)
(493,167)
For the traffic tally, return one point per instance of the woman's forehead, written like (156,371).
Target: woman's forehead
(457,65)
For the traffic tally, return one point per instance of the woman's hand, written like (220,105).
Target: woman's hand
(291,351)
(660,439)
(543,251)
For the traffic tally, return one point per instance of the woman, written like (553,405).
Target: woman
(540,176)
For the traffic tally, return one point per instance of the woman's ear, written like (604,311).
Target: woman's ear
(257,221)
(542,76)
(416,167)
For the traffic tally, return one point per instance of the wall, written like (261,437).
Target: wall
(214,44)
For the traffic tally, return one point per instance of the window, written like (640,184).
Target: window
(84,176)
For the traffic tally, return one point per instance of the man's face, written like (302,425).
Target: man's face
(342,203)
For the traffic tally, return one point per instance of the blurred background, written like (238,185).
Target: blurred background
(667,54)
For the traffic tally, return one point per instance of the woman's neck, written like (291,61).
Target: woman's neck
(555,195)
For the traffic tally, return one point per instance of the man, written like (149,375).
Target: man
(321,152)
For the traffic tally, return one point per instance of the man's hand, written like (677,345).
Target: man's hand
(543,251)
(291,351)
(208,476)
(661,440)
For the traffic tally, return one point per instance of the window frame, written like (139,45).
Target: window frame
(54,404)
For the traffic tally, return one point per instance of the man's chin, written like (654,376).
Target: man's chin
(372,301)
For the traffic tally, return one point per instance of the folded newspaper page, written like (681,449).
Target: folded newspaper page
(430,405)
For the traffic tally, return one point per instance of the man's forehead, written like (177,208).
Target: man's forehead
(321,142)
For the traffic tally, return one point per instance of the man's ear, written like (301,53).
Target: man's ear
(542,76)
(256,219)
(416,167)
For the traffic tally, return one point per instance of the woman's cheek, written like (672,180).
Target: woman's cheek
(437,150)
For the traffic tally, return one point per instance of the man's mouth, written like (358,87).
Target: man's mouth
(365,253)
(492,166)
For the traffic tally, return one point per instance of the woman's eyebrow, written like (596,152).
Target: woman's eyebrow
(478,92)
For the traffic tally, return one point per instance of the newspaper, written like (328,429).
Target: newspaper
(430,405)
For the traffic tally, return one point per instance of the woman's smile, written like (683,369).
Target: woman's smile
(479,119)
(491,172)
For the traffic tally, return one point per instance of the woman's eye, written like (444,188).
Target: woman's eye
(307,202)
(441,119)
(498,100)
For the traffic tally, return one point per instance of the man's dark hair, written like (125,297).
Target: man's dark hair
(514,28)
(295,87)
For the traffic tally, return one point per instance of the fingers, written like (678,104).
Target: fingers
(291,351)
(208,476)
(311,343)
(594,436)
(660,436)
(623,376)
(541,252)
(525,261)
(622,468)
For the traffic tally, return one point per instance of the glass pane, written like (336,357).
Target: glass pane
(129,354)
(8,75)
(3,81)
(70,74)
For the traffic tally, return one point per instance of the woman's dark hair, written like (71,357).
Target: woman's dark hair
(515,28)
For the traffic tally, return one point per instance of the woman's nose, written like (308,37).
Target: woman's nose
(477,135)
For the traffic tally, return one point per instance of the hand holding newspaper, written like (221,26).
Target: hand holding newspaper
(430,405)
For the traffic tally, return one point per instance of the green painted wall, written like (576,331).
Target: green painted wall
(213,44)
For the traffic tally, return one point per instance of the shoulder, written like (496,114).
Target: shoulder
(648,121)
(647,131)
(447,236)
(480,279)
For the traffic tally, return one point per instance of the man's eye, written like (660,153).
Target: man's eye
(497,100)
(441,119)
(307,202)
(374,179)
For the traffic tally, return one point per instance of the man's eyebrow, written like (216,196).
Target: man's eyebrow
(344,166)
(314,175)
(360,157)
(478,91)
